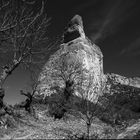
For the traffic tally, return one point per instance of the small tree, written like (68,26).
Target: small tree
(83,107)
(1,97)
(30,95)
(62,74)
(27,104)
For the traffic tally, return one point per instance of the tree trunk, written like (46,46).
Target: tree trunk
(88,129)
(7,70)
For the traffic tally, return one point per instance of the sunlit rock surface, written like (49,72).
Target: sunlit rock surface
(78,52)
(131,132)
(112,78)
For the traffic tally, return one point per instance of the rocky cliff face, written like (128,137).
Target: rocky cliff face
(112,78)
(80,61)
(76,60)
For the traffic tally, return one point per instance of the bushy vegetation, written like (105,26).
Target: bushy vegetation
(116,117)
(118,111)
(57,107)
(58,103)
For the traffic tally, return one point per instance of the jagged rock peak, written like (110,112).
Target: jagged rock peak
(76,20)
(74,29)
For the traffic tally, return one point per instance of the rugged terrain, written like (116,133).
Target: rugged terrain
(118,108)
(43,126)
(78,58)
(27,127)
(133,82)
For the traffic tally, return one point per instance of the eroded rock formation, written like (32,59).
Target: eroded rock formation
(135,82)
(115,79)
(77,60)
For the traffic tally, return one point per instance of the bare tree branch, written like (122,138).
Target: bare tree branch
(23,33)
(3,5)
(24,29)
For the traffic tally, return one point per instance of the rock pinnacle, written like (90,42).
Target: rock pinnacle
(74,29)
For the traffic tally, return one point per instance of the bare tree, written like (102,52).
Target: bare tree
(77,80)
(105,103)
(82,107)
(27,104)
(64,69)
(61,75)
(68,69)
(21,30)
(30,94)
(23,35)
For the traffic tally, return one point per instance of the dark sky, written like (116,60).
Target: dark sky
(114,25)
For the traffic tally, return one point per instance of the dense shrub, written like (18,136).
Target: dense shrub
(137,136)
(57,105)
(58,102)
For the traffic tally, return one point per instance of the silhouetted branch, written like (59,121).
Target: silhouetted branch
(22,29)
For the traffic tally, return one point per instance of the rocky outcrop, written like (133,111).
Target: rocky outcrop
(76,60)
(115,79)
(131,132)
(74,29)
(135,82)
(79,59)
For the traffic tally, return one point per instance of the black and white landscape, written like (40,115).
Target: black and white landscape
(69,69)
